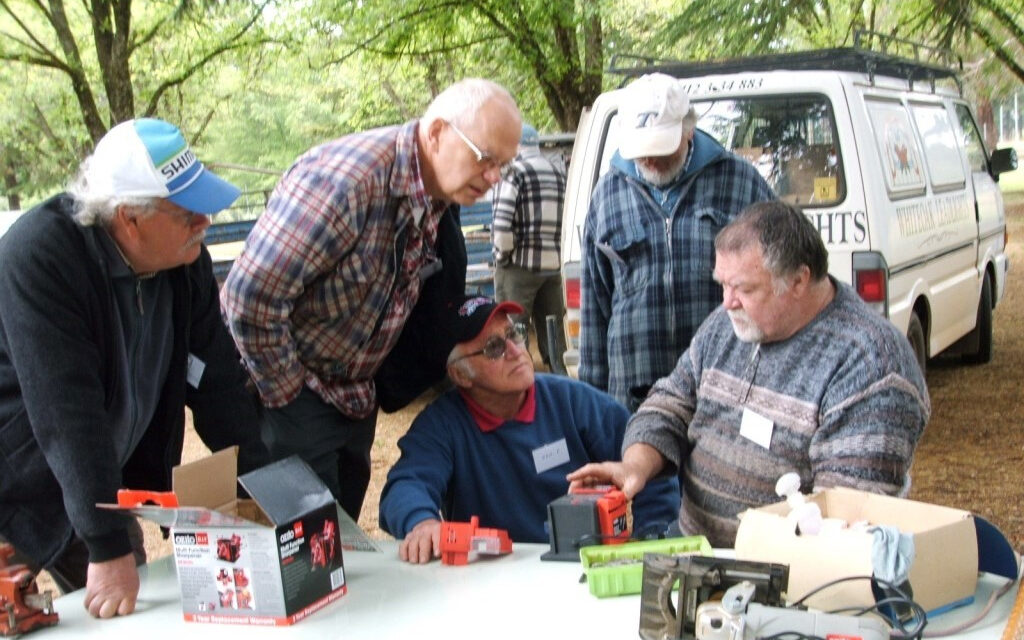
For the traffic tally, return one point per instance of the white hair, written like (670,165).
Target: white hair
(460,102)
(464,367)
(689,121)
(97,209)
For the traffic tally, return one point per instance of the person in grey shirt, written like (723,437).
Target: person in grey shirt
(793,372)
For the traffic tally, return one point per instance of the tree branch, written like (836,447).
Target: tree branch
(1000,52)
(187,73)
(1005,19)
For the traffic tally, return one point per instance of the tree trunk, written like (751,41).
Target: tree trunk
(987,122)
(11,188)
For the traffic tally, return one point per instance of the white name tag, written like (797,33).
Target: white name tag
(196,367)
(757,428)
(550,455)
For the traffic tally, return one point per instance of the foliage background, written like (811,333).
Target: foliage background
(254,83)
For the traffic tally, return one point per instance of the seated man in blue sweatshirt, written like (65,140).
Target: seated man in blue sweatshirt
(499,445)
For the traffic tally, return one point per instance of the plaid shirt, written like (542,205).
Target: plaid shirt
(527,229)
(323,288)
(646,280)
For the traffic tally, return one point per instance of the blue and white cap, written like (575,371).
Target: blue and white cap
(149,158)
(529,136)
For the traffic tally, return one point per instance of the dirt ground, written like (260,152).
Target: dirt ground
(969,458)
(971,453)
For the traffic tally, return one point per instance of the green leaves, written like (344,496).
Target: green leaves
(256,83)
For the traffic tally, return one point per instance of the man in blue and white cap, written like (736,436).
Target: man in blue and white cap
(109,327)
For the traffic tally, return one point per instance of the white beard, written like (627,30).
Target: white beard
(661,178)
(744,329)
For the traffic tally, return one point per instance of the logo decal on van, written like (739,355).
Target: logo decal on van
(840,227)
(932,215)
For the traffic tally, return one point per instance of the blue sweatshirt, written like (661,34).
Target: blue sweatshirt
(449,465)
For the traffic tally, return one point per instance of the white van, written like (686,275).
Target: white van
(881,153)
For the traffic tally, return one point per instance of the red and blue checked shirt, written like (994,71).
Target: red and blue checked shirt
(330,271)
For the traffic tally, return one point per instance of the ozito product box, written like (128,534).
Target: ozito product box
(276,565)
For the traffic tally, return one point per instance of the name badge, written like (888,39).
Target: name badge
(550,455)
(757,428)
(195,369)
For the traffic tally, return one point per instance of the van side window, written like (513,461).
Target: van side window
(945,168)
(976,156)
(791,140)
(897,148)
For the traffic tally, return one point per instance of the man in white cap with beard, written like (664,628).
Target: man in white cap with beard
(109,327)
(648,242)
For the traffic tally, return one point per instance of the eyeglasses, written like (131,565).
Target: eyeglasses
(484,159)
(495,347)
(184,216)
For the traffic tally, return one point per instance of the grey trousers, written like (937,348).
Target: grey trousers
(540,294)
(334,445)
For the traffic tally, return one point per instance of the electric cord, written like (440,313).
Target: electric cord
(998,593)
(898,627)
(790,634)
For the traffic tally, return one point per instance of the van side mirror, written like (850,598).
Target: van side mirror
(1003,160)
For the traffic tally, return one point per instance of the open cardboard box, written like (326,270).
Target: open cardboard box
(271,560)
(943,574)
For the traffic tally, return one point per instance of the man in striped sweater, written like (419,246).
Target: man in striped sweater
(793,372)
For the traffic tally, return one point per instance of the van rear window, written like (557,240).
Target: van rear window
(791,140)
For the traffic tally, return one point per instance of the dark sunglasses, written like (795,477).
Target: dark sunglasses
(494,348)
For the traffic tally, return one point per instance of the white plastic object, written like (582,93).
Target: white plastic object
(788,487)
(807,515)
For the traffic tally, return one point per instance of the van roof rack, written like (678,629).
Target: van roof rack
(872,53)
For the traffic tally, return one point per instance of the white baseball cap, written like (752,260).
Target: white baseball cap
(651,116)
(149,158)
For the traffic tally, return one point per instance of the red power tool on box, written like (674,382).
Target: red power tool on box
(22,607)
(584,517)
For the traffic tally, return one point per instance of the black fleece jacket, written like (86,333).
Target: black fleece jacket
(58,372)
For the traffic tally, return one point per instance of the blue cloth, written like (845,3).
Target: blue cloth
(892,553)
(648,255)
(449,465)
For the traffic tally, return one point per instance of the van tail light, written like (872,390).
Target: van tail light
(871,285)
(572,293)
(871,280)
(571,287)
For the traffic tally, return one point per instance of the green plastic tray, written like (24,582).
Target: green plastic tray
(618,569)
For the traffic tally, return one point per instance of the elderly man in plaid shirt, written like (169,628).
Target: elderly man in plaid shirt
(527,237)
(648,241)
(334,266)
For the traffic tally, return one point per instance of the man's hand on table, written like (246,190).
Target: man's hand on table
(422,544)
(111,587)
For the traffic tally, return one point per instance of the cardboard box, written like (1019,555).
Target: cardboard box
(944,571)
(269,561)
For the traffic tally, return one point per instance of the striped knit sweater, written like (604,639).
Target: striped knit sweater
(845,396)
